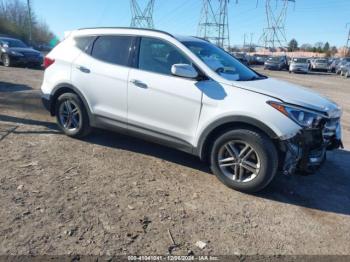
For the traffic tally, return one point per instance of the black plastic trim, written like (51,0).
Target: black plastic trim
(75,90)
(142,133)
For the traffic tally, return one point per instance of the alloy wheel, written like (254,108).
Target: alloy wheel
(70,115)
(6,60)
(239,161)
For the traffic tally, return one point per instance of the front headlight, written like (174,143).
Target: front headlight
(303,117)
(16,53)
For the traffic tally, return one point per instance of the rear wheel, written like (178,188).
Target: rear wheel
(6,60)
(244,160)
(72,116)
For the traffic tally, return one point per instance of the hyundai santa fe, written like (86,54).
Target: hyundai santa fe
(189,94)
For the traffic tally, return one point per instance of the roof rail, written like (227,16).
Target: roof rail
(132,28)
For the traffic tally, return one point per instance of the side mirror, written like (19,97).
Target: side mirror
(184,70)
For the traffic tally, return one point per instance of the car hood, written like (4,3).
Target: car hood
(24,50)
(292,94)
(272,62)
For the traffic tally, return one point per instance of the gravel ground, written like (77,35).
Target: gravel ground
(110,194)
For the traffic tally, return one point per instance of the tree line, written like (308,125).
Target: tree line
(319,47)
(15,22)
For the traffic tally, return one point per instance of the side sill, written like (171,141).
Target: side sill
(141,132)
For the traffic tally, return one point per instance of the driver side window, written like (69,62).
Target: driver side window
(158,56)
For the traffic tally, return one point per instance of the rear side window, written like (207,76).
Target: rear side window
(113,49)
(84,43)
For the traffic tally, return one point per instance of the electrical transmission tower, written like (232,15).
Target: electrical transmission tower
(213,24)
(274,35)
(142,18)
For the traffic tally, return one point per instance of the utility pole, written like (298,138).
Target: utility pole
(30,19)
(274,35)
(213,23)
(142,18)
(348,40)
(244,40)
(251,42)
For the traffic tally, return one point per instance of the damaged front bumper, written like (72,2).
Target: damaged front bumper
(306,151)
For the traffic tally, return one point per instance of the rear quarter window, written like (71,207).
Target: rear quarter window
(84,43)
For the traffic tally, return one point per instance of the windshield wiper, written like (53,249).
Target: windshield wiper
(254,78)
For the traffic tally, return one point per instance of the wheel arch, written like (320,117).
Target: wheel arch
(67,88)
(231,122)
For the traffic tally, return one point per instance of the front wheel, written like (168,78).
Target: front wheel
(72,116)
(6,60)
(245,160)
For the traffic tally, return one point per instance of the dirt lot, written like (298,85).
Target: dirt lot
(111,194)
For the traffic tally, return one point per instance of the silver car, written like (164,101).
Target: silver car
(299,65)
(345,70)
(319,64)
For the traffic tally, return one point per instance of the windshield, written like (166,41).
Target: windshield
(274,59)
(13,43)
(299,60)
(321,61)
(221,62)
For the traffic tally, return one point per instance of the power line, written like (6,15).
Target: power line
(142,18)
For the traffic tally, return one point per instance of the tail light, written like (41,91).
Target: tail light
(48,61)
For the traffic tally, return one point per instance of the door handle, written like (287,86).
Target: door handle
(83,69)
(138,83)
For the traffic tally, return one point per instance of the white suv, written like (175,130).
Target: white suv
(187,93)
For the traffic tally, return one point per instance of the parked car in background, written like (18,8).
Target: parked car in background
(319,64)
(345,70)
(187,93)
(343,62)
(260,59)
(44,47)
(332,67)
(242,57)
(15,52)
(299,65)
(276,63)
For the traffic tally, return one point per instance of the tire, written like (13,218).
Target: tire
(6,60)
(264,154)
(71,116)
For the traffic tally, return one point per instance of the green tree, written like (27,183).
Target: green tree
(14,21)
(292,45)
(326,47)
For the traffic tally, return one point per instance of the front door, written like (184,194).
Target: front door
(158,102)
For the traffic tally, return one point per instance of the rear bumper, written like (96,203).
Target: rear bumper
(46,101)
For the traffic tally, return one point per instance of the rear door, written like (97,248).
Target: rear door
(101,74)
(160,103)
